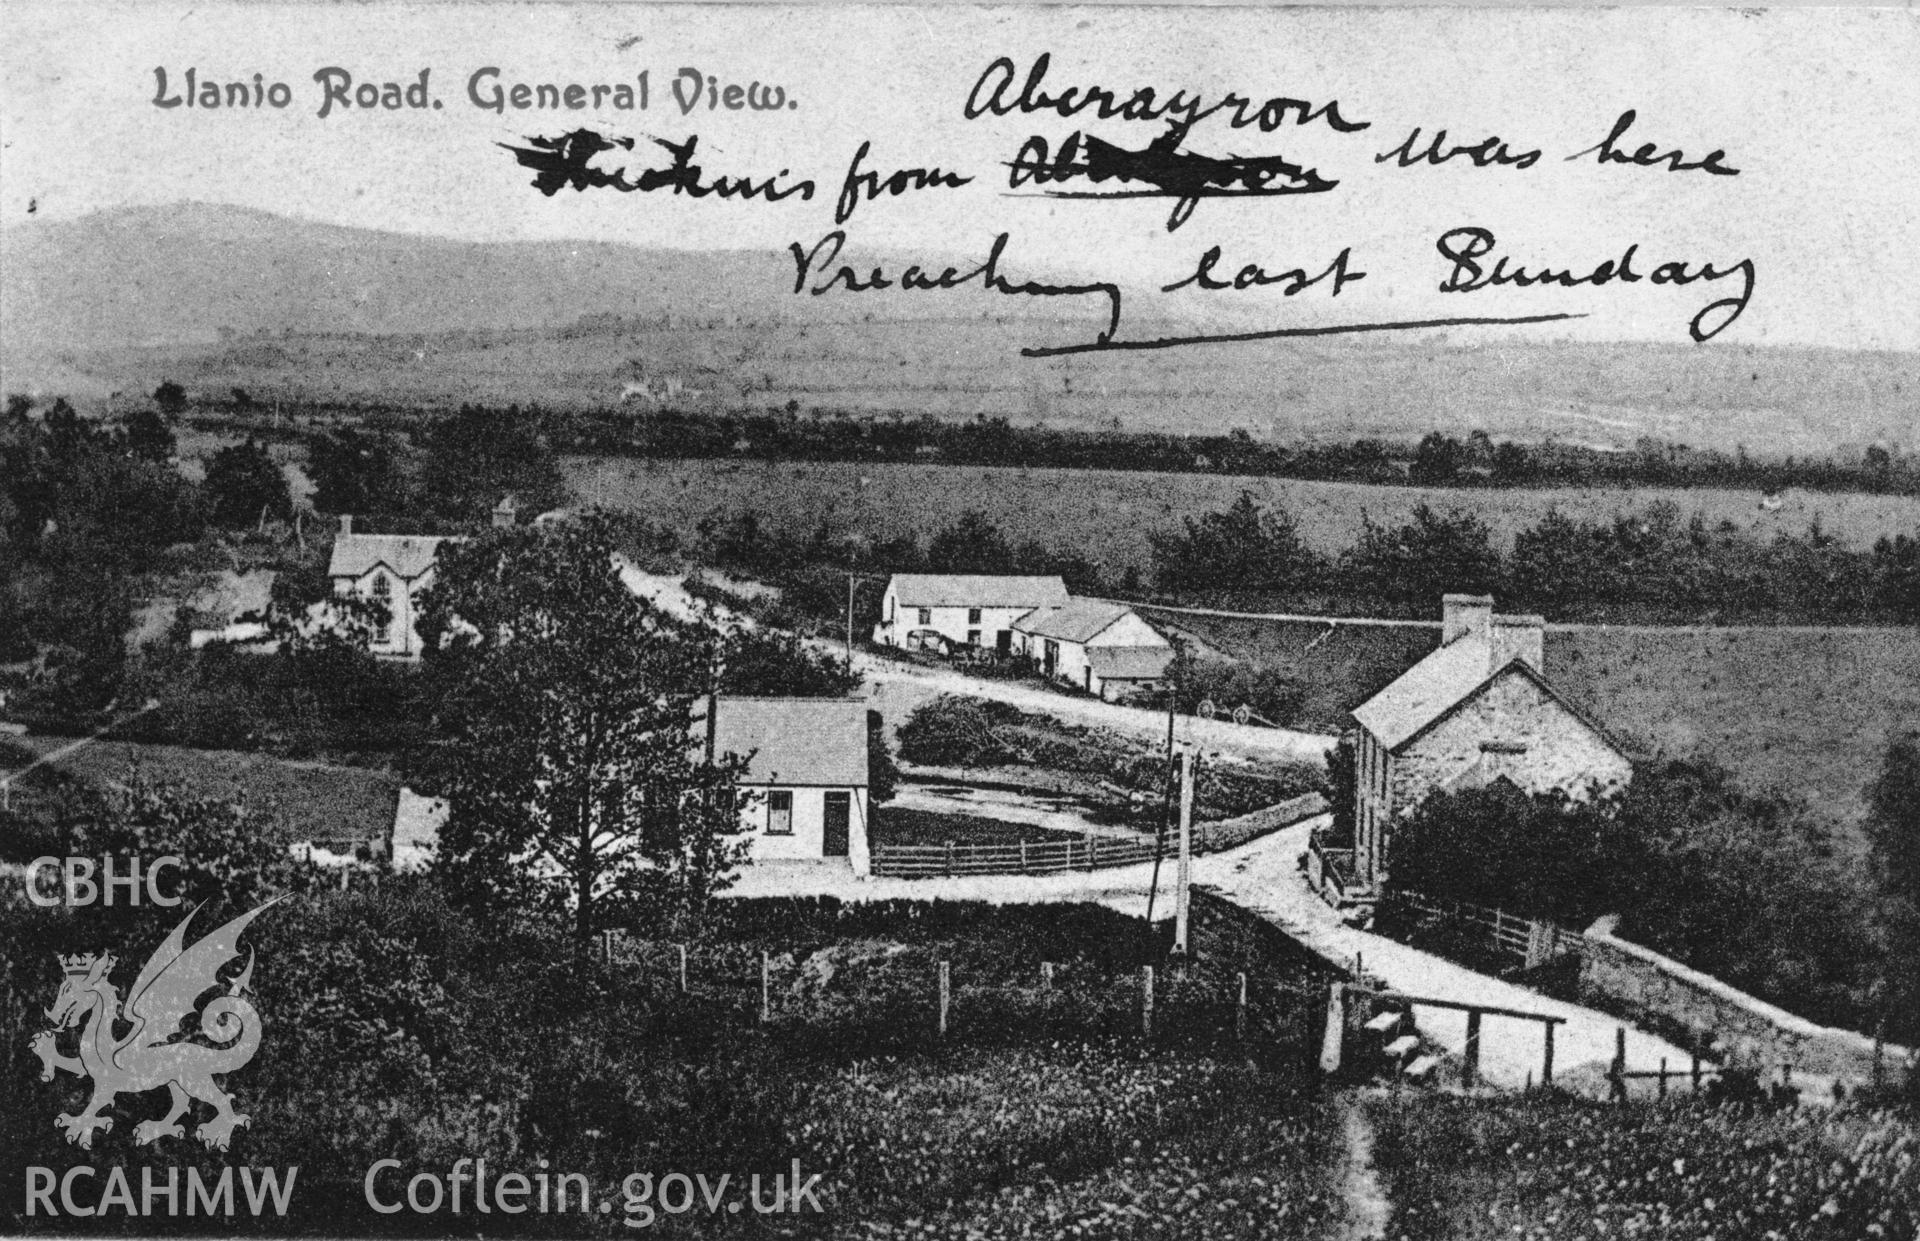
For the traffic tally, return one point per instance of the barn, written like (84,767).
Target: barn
(1478,708)
(1103,648)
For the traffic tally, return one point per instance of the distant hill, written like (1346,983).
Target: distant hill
(220,297)
(185,274)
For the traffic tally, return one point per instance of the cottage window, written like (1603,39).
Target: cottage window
(926,616)
(973,637)
(973,616)
(383,595)
(780,813)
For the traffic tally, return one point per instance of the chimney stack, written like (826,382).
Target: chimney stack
(346,523)
(1522,637)
(1465,616)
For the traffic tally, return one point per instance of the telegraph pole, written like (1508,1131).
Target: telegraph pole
(849,622)
(1185,873)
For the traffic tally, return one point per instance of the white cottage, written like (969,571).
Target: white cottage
(391,569)
(1103,648)
(807,768)
(945,610)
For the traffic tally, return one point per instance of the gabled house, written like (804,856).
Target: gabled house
(1103,648)
(1479,708)
(391,569)
(943,611)
(806,773)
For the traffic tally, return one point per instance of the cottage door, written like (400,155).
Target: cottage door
(837,819)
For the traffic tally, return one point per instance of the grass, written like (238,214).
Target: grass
(1108,515)
(326,804)
(399,1028)
(1560,1170)
(894,825)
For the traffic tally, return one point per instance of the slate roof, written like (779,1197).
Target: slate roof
(406,555)
(978,590)
(1078,621)
(801,741)
(1129,663)
(1426,691)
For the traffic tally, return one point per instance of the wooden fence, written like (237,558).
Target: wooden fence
(1172,1000)
(1087,852)
(1532,941)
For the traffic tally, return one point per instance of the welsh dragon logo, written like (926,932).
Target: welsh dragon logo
(148,1056)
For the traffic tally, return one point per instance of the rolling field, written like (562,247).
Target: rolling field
(1107,515)
(1804,711)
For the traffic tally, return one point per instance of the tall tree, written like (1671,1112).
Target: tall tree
(244,485)
(568,749)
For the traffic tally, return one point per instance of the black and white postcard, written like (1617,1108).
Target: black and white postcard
(931,620)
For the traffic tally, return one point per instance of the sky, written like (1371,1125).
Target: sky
(1816,108)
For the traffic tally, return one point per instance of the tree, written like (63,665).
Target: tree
(355,472)
(475,457)
(883,775)
(147,436)
(1426,558)
(1246,547)
(567,748)
(973,544)
(244,486)
(229,851)
(1437,460)
(171,398)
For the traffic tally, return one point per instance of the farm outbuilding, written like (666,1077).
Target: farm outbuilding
(1103,648)
(1477,709)
(947,610)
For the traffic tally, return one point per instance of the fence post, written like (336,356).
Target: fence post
(1879,1055)
(1046,976)
(1619,1073)
(1240,1012)
(683,969)
(1663,1077)
(1023,855)
(1696,1072)
(1546,1059)
(1146,1001)
(1470,1073)
(1336,1031)
(945,994)
(1087,844)
(766,987)
(949,858)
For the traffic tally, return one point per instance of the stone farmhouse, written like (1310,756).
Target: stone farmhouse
(806,773)
(943,611)
(1103,648)
(392,569)
(1479,708)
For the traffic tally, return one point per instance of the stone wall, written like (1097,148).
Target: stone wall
(1561,751)
(1660,992)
